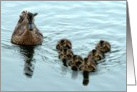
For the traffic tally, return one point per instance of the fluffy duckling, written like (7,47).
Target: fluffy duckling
(86,67)
(103,46)
(96,55)
(75,62)
(65,55)
(64,44)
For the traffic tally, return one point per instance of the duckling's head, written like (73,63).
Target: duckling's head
(67,44)
(63,44)
(27,18)
(101,42)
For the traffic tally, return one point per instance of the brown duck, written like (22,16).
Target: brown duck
(26,32)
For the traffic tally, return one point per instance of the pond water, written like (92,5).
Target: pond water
(84,23)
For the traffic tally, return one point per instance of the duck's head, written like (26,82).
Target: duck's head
(27,18)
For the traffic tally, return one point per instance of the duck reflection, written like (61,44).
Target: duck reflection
(28,52)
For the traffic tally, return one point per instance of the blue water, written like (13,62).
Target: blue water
(84,23)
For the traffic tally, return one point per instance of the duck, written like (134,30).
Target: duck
(103,46)
(63,44)
(75,62)
(96,55)
(26,32)
(65,55)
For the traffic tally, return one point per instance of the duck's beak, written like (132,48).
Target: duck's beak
(31,26)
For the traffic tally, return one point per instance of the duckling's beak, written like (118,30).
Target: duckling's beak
(31,26)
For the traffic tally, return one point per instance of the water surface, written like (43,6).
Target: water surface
(84,23)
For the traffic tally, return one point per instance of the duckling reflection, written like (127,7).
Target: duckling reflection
(28,52)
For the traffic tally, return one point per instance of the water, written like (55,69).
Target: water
(84,23)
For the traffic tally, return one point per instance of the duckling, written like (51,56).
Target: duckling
(103,46)
(65,55)
(64,44)
(26,32)
(96,55)
(75,62)
(88,65)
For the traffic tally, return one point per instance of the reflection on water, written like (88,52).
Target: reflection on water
(74,74)
(28,52)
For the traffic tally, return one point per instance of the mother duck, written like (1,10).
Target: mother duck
(26,32)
